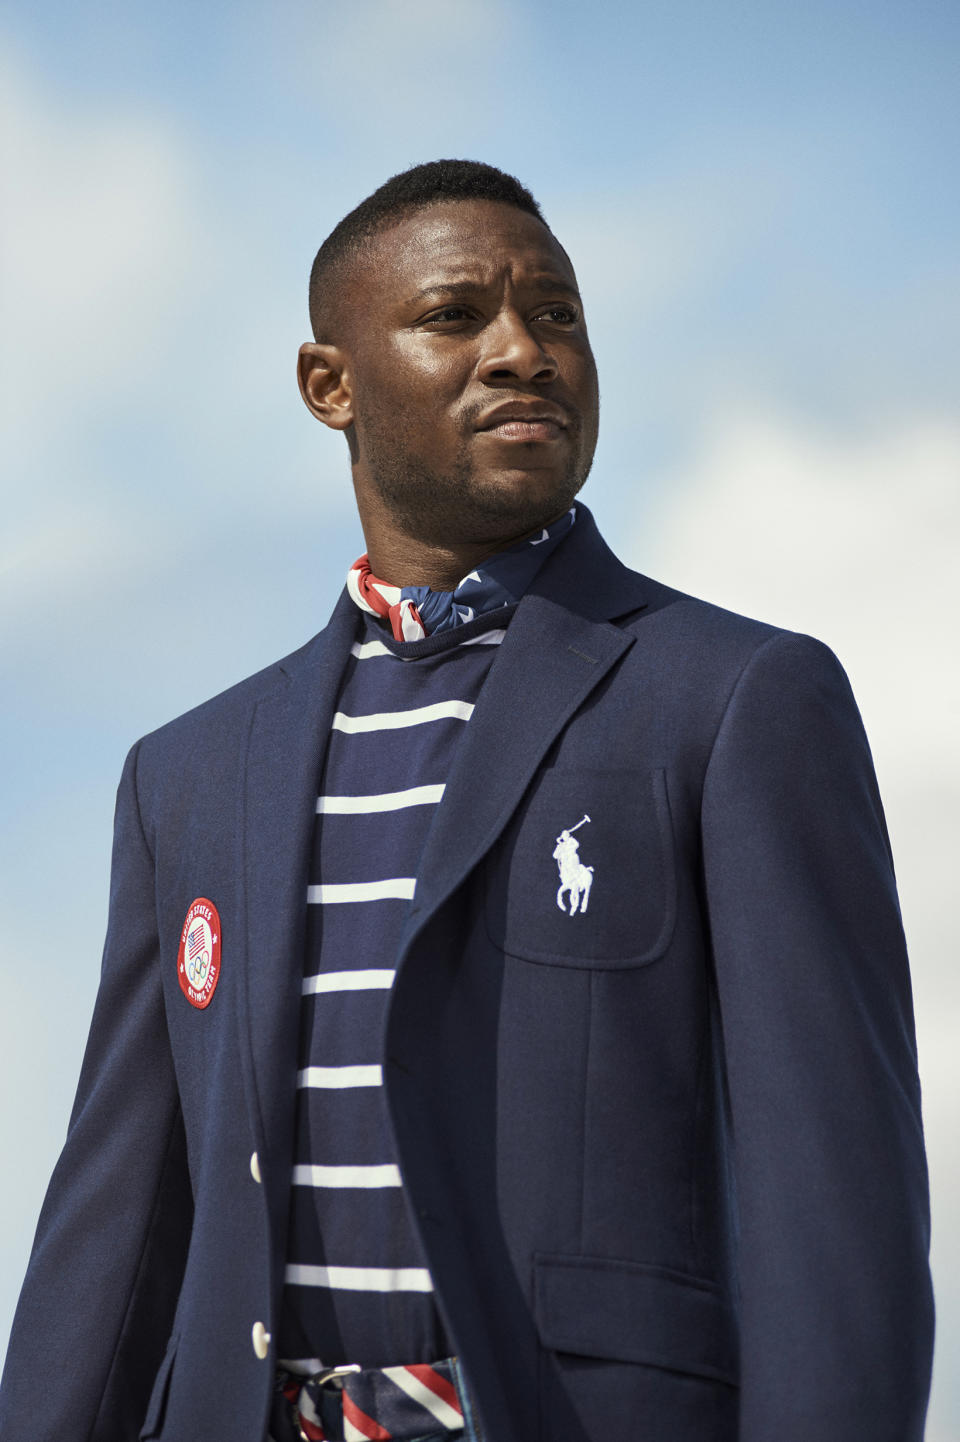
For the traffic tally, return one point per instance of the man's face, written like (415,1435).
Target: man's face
(475,401)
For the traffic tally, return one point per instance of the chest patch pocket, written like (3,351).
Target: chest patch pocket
(584,874)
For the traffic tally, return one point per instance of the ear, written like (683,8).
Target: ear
(324,380)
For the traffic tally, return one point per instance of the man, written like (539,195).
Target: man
(505,1027)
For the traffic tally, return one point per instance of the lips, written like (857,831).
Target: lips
(533,421)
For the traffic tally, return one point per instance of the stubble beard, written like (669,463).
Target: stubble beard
(453,507)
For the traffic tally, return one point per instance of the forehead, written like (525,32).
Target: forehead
(481,241)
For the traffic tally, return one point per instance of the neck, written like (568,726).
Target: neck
(404,560)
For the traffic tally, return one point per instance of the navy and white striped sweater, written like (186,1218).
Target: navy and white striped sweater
(357,1287)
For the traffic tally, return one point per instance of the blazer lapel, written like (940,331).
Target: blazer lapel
(287,738)
(558,647)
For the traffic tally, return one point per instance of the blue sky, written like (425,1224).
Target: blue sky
(760,200)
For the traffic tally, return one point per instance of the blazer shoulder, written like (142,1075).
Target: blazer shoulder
(697,620)
(218,719)
(708,648)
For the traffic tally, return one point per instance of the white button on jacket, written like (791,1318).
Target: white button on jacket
(261,1340)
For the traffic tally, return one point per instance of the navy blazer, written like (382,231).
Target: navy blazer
(664,1153)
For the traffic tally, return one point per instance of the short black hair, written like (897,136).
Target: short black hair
(420,186)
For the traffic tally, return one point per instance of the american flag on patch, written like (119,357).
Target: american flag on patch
(195,942)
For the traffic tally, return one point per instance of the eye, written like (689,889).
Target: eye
(448,315)
(559,314)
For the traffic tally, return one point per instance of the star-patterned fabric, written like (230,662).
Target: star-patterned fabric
(415,611)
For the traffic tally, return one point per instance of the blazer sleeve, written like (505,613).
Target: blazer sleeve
(818,1035)
(101,1287)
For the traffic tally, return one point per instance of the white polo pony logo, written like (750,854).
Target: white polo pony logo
(575,878)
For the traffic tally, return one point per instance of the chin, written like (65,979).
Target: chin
(523,499)
(467,506)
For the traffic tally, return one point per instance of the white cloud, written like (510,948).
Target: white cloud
(99,236)
(122,413)
(850,538)
(412,78)
(96,236)
(73,554)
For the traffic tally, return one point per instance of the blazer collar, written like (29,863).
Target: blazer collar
(585,577)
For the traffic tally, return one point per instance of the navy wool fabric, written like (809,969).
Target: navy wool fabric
(357,1285)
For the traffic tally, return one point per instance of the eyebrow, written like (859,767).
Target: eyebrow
(463,289)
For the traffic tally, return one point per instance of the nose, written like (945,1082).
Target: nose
(513,353)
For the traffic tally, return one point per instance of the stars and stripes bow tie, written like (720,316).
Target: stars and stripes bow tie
(416,611)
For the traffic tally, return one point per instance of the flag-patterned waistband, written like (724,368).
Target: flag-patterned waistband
(375,1404)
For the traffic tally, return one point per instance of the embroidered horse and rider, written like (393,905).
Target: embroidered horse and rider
(575,878)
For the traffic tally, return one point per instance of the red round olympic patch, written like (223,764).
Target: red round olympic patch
(198,963)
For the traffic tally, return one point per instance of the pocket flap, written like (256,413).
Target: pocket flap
(631,1312)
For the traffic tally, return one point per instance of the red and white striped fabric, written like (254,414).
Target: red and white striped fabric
(381,599)
(384,1404)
